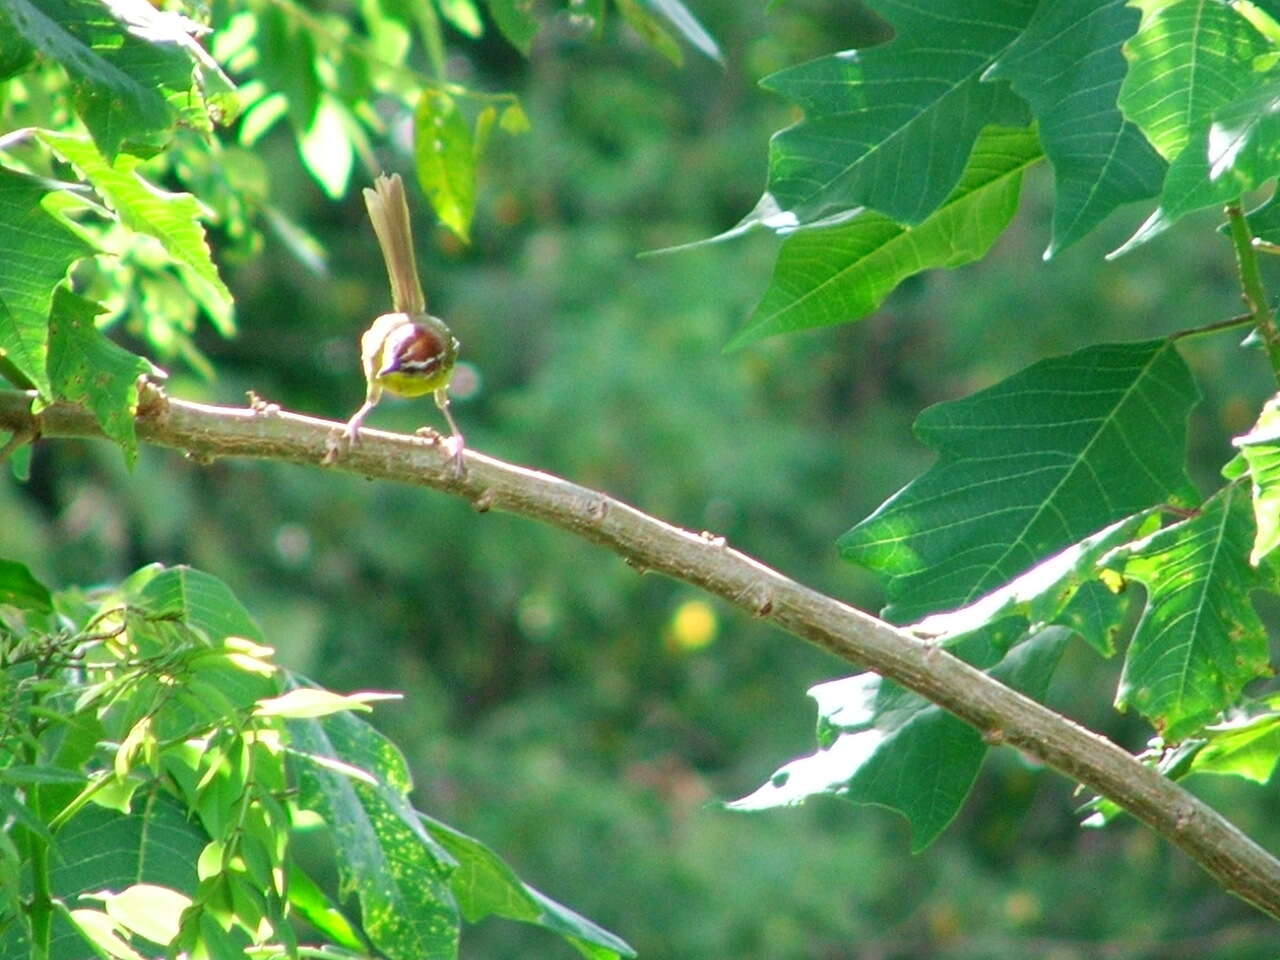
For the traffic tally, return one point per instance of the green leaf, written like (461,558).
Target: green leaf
(1187,59)
(119,79)
(18,588)
(36,251)
(16,54)
(445,160)
(891,128)
(1195,89)
(103,933)
(172,218)
(890,747)
(100,849)
(463,15)
(1069,67)
(192,597)
(1260,448)
(1045,594)
(485,886)
(314,702)
(514,120)
(20,815)
(314,906)
(1264,220)
(26,774)
(1238,151)
(326,147)
(287,64)
(1199,640)
(1027,467)
(385,856)
(678,15)
(87,368)
(148,909)
(516,21)
(650,30)
(1248,748)
(837,274)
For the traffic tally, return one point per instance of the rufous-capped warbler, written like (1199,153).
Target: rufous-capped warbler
(407,352)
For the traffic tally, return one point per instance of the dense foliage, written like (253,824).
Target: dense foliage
(165,781)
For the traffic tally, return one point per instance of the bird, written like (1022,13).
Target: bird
(407,352)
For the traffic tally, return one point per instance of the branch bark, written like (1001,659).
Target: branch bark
(1002,715)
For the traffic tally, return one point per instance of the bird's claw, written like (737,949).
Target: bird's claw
(457,468)
(340,442)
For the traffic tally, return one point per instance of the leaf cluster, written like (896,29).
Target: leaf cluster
(1057,489)
(166,785)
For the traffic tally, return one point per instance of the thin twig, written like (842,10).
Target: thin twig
(1001,714)
(1218,327)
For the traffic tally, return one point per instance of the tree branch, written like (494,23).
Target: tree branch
(1002,715)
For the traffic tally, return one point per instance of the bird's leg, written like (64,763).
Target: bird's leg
(352,430)
(340,444)
(442,401)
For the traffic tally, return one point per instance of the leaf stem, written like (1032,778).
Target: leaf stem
(1255,296)
(1217,327)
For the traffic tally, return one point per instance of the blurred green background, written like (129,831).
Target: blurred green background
(583,719)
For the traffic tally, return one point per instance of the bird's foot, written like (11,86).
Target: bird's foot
(456,465)
(340,442)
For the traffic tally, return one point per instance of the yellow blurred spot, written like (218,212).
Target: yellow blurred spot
(693,625)
(1022,907)
(944,921)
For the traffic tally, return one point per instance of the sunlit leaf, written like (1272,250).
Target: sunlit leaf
(87,368)
(148,909)
(648,27)
(317,909)
(1028,467)
(1261,450)
(197,599)
(1248,748)
(463,15)
(841,273)
(1069,67)
(36,251)
(1200,639)
(385,856)
(679,16)
(104,933)
(445,159)
(100,849)
(172,218)
(326,148)
(891,127)
(1187,59)
(315,702)
(119,77)
(1043,595)
(1195,89)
